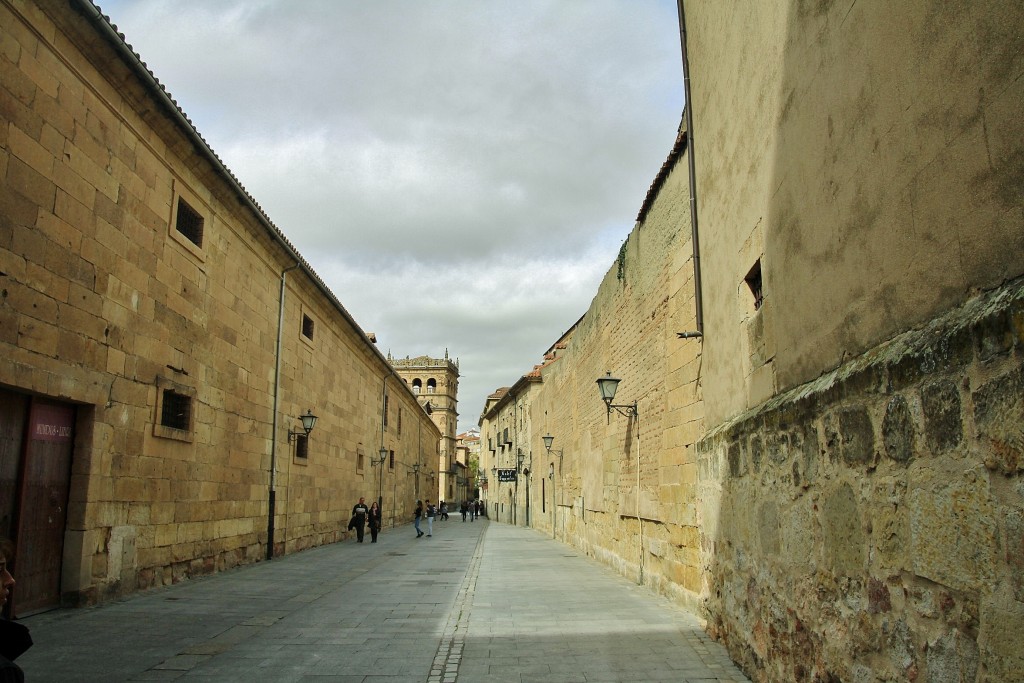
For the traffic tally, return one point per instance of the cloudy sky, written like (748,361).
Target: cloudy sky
(460,173)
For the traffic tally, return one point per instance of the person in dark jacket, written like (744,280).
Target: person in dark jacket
(374,520)
(358,521)
(14,637)
(418,516)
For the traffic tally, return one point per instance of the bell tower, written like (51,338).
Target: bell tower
(435,381)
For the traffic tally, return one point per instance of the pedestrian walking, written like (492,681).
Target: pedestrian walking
(443,510)
(464,509)
(14,636)
(418,515)
(431,513)
(374,521)
(358,521)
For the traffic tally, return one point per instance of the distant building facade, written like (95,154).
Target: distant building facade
(435,383)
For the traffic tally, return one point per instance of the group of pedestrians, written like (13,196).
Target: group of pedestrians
(364,516)
(428,511)
(471,509)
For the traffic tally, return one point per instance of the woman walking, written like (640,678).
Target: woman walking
(374,520)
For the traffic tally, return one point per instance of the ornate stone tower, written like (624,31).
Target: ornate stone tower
(435,381)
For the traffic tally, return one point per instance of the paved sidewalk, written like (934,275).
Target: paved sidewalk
(479,601)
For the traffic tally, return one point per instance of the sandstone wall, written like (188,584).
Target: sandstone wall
(868,525)
(105,304)
(623,488)
(868,155)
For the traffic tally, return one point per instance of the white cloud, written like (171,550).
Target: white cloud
(461,174)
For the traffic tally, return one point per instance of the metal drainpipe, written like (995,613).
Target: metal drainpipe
(694,238)
(639,519)
(272,499)
(380,465)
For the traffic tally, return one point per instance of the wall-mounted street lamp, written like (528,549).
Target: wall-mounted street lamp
(308,422)
(607,385)
(382,455)
(548,440)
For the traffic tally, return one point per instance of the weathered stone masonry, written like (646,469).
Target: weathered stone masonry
(870,522)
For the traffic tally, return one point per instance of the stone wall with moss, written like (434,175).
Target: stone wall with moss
(869,525)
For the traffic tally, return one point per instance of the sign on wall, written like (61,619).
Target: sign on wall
(507,475)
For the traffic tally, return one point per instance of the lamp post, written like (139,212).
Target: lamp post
(548,440)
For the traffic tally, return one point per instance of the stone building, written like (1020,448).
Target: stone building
(816,441)
(467,447)
(160,338)
(435,383)
(507,447)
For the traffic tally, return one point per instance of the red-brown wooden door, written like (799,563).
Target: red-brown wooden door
(42,483)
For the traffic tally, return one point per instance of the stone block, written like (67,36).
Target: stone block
(843,532)
(28,150)
(999,415)
(898,432)
(953,532)
(857,438)
(38,336)
(30,184)
(952,657)
(943,423)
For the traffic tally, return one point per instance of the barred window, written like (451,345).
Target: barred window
(189,223)
(302,446)
(307,327)
(176,412)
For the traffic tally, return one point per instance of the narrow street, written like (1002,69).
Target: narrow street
(477,601)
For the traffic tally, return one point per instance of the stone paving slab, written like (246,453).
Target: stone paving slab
(481,602)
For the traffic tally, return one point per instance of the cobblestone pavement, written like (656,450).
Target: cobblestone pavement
(478,601)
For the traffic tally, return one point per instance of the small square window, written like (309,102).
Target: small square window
(307,327)
(753,280)
(175,410)
(189,223)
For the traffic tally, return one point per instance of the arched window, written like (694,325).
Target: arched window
(416,385)
(431,385)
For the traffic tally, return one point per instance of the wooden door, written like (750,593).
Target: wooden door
(13,413)
(45,483)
